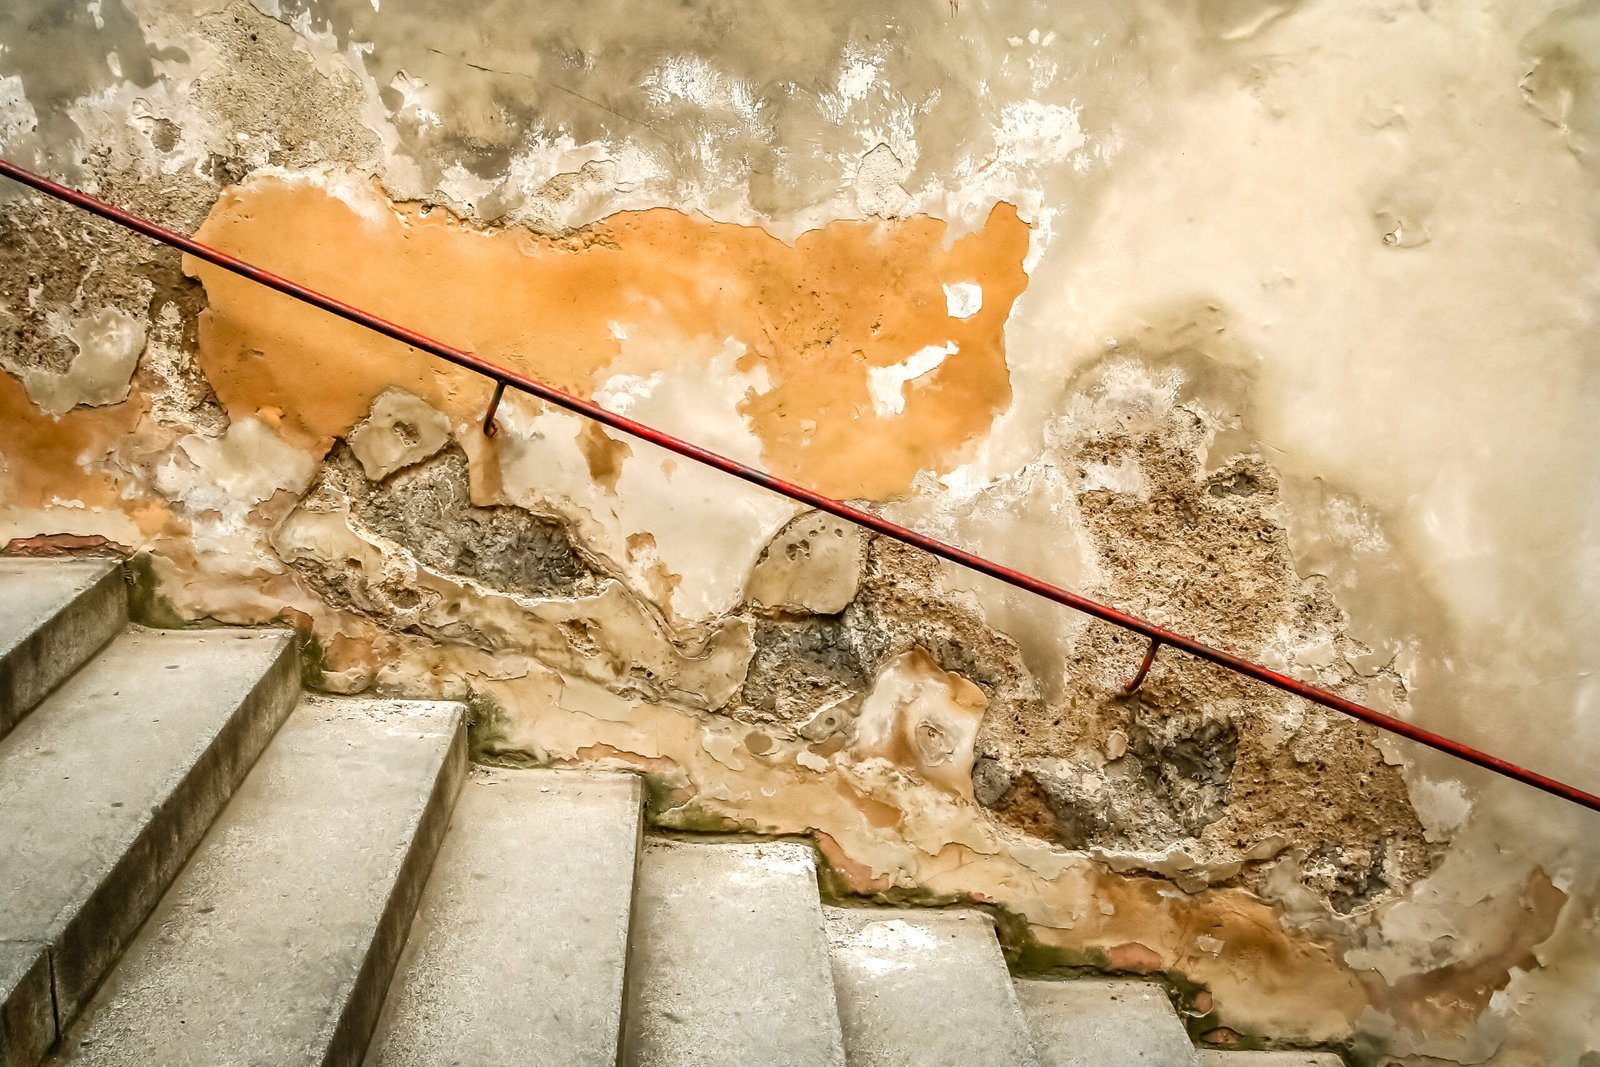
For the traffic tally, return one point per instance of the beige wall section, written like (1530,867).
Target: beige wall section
(1272,320)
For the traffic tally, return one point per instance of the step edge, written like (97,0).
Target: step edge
(629,1050)
(623,1000)
(104,601)
(631,807)
(1168,1010)
(82,951)
(986,930)
(356,1018)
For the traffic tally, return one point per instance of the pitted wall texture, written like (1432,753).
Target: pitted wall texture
(1271,321)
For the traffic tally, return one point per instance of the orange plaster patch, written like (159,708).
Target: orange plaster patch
(637,293)
(41,455)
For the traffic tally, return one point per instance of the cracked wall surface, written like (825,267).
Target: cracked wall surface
(1269,320)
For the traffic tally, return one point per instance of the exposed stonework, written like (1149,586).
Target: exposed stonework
(1180,306)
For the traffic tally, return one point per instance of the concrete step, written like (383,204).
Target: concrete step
(1214,1058)
(925,986)
(275,944)
(54,615)
(1092,1022)
(518,950)
(728,965)
(105,789)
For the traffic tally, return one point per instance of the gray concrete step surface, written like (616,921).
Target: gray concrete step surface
(925,986)
(276,943)
(547,933)
(104,790)
(518,951)
(728,965)
(1093,1022)
(54,615)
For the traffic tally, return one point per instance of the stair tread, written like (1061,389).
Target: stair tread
(1217,1058)
(109,783)
(1088,1022)
(920,985)
(83,775)
(520,941)
(33,591)
(729,960)
(254,954)
(54,614)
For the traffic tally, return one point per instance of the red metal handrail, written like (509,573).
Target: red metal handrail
(504,377)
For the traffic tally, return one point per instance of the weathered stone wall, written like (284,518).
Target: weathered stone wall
(1270,321)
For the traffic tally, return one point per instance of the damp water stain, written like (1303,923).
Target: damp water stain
(615,305)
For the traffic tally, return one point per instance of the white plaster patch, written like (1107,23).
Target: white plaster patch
(888,384)
(857,77)
(243,467)
(109,341)
(621,393)
(963,299)
(400,430)
(692,80)
(1033,133)
(1442,805)
(465,189)
(655,492)
(877,186)
(17,117)
(414,96)
(1125,476)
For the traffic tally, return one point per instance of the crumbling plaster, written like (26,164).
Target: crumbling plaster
(1271,321)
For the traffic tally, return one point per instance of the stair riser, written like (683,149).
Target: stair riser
(486,975)
(360,1015)
(97,935)
(27,1018)
(730,960)
(59,647)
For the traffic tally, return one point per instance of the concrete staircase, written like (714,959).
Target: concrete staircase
(201,865)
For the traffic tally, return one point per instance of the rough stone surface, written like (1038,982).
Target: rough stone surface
(1087,1022)
(276,943)
(728,962)
(106,787)
(925,987)
(54,614)
(519,945)
(429,509)
(1136,296)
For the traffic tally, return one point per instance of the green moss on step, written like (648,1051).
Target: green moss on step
(146,606)
(313,658)
(1026,954)
(688,818)
(488,740)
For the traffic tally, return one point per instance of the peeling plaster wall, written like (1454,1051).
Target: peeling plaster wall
(1272,321)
